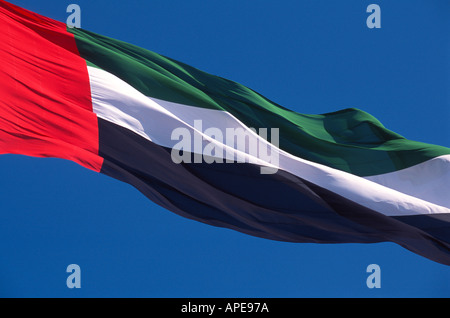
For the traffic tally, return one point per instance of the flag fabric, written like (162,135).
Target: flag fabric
(131,114)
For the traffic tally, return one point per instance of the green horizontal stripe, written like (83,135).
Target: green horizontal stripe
(350,140)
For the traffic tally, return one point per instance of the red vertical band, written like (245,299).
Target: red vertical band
(45,98)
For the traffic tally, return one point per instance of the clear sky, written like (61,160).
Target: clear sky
(309,56)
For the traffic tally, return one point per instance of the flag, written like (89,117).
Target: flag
(213,150)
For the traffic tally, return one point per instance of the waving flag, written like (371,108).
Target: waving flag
(160,125)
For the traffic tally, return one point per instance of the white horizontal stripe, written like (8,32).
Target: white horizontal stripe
(429,180)
(391,194)
(118,102)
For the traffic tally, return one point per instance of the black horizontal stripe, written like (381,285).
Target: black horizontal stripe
(438,224)
(278,206)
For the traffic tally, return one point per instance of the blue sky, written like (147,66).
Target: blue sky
(309,56)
